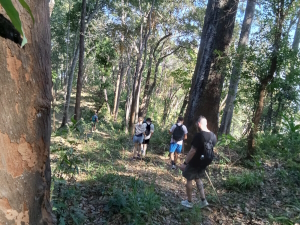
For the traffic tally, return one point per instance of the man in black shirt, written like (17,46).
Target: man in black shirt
(194,165)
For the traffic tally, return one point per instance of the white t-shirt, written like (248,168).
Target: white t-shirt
(139,128)
(173,128)
(151,130)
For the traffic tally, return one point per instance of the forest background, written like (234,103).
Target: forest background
(236,63)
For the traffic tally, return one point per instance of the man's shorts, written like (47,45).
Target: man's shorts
(192,173)
(138,139)
(175,147)
(146,141)
(94,123)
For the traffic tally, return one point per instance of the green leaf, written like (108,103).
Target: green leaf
(13,14)
(14,17)
(25,6)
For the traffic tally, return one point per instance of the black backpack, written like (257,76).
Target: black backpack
(148,127)
(178,133)
(208,152)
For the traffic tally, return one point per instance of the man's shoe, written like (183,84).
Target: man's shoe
(173,167)
(203,204)
(187,204)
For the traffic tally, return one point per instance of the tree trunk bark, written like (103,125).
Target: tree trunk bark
(265,81)
(80,63)
(106,100)
(296,41)
(128,100)
(69,89)
(25,125)
(204,97)
(236,71)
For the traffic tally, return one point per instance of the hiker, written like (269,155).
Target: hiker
(94,120)
(179,133)
(149,131)
(197,159)
(138,138)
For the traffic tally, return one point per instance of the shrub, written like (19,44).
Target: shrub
(136,203)
(244,181)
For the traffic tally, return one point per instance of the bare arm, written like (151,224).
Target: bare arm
(190,155)
(185,137)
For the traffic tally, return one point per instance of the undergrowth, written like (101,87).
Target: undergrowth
(136,203)
(244,181)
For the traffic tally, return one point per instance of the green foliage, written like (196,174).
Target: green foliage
(244,181)
(14,16)
(136,203)
(67,164)
(191,216)
(66,204)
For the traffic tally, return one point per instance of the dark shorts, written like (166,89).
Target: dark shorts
(191,173)
(94,123)
(146,141)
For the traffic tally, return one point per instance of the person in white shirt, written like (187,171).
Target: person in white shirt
(138,137)
(149,131)
(179,133)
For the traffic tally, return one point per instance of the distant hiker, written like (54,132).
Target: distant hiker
(198,158)
(94,120)
(138,137)
(179,133)
(149,131)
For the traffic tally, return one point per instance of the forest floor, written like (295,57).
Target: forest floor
(96,182)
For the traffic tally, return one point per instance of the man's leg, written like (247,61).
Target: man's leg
(177,152)
(135,148)
(200,188)
(144,149)
(139,149)
(189,189)
(172,150)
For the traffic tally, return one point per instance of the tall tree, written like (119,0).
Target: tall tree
(204,97)
(96,9)
(296,41)
(140,63)
(280,11)
(25,127)
(81,60)
(237,67)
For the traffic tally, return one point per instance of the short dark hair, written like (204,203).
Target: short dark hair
(148,119)
(180,118)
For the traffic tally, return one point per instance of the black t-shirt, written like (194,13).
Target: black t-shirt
(198,144)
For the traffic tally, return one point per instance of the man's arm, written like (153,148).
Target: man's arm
(185,137)
(190,155)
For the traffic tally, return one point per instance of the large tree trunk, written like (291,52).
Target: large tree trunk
(80,63)
(265,81)
(207,81)
(25,126)
(236,71)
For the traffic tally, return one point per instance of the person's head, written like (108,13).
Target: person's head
(180,119)
(202,123)
(148,120)
(95,112)
(140,120)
